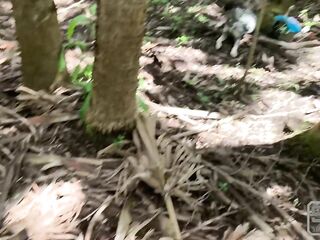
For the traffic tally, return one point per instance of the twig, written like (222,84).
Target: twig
(305,176)
(202,225)
(19,117)
(296,226)
(254,217)
(246,186)
(290,45)
(96,217)
(255,40)
(37,95)
(232,180)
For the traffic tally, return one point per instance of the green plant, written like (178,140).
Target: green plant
(141,83)
(80,20)
(202,18)
(223,186)
(294,87)
(177,21)
(86,20)
(93,9)
(142,106)
(83,78)
(62,61)
(204,99)
(183,39)
(307,21)
(147,38)
(191,82)
(118,141)
(194,9)
(76,43)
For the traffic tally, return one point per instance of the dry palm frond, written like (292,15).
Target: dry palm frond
(241,233)
(128,229)
(47,212)
(166,166)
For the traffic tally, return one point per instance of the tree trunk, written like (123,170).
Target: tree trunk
(40,41)
(120,32)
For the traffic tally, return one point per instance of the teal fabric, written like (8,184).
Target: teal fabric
(292,23)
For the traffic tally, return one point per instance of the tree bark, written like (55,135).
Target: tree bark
(40,41)
(120,32)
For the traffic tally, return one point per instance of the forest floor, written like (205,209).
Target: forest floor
(228,169)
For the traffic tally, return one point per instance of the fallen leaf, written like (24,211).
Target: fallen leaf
(8,45)
(238,233)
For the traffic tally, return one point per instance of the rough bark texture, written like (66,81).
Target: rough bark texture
(120,31)
(40,41)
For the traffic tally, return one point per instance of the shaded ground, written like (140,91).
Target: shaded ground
(222,183)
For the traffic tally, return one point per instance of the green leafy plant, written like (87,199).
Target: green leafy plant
(192,82)
(142,106)
(80,20)
(223,186)
(204,99)
(182,40)
(194,9)
(93,9)
(202,18)
(141,83)
(118,141)
(177,21)
(294,87)
(76,43)
(83,78)
(62,65)
(86,20)
(307,21)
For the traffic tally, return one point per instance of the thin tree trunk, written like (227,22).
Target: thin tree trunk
(40,41)
(120,32)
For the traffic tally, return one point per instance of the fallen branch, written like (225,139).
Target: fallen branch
(20,118)
(96,217)
(255,41)
(255,217)
(295,225)
(290,45)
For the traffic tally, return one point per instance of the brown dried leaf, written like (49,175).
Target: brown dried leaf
(257,235)
(123,223)
(238,233)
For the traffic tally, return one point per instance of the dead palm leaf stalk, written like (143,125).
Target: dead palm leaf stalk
(170,167)
(146,130)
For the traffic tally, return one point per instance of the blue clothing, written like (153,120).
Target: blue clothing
(292,23)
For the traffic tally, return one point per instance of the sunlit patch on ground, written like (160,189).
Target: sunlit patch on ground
(47,211)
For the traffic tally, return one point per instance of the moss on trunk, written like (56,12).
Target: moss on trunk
(40,41)
(120,32)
